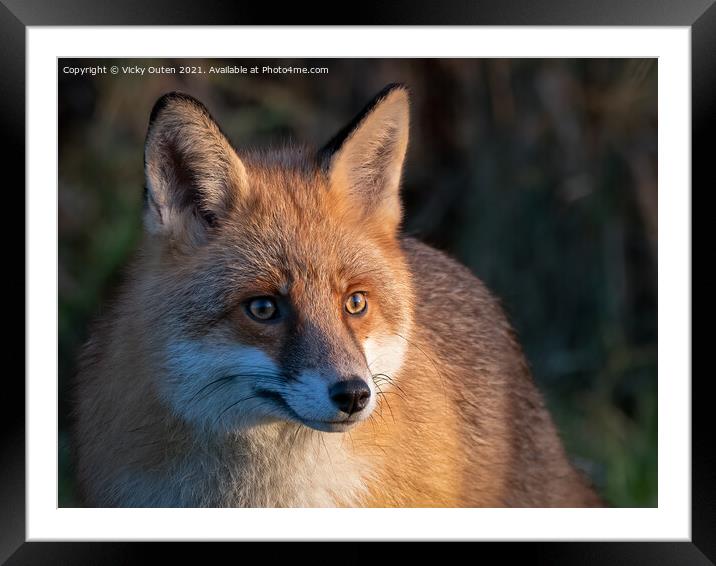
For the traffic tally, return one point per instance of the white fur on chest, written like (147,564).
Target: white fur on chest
(274,466)
(292,466)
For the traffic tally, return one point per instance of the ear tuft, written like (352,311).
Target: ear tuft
(342,135)
(172,99)
(192,173)
(364,160)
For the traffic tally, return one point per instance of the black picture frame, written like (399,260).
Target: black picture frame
(16,15)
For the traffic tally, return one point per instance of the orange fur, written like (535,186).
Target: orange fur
(184,400)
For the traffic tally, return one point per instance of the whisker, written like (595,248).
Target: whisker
(380,393)
(222,381)
(391,381)
(375,436)
(270,376)
(234,404)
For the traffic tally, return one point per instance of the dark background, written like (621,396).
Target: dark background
(539,174)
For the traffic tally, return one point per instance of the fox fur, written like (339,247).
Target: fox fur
(182,399)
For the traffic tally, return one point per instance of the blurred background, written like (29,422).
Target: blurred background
(539,174)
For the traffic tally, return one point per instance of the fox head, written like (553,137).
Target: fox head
(273,286)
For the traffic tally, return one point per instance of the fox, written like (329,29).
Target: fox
(279,342)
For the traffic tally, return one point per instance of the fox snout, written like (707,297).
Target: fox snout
(328,400)
(350,396)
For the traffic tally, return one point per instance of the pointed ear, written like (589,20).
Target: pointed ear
(364,161)
(192,173)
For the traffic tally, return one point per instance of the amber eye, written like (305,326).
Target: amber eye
(263,308)
(356,303)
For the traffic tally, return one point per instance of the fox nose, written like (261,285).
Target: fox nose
(350,396)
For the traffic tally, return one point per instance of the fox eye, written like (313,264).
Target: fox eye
(356,303)
(263,309)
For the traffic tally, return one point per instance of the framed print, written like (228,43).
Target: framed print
(422,280)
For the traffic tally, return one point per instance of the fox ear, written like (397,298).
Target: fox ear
(365,159)
(192,173)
